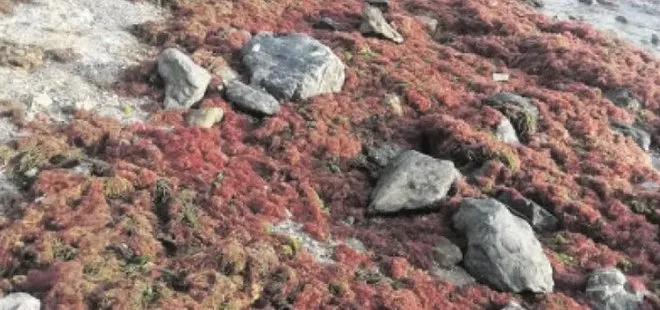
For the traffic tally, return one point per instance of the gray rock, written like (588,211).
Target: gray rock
(455,275)
(621,97)
(251,99)
(540,219)
(506,133)
(641,137)
(185,81)
(411,181)
(431,23)
(608,289)
(588,2)
(654,39)
(374,23)
(19,301)
(381,155)
(446,254)
(513,305)
(502,248)
(205,117)
(294,66)
(622,19)
(520,110)
(329,24)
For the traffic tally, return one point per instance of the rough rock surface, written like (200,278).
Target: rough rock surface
(446,254)
(185,81)
(505,132)
(520,110)
(294,66)
(538,217)
(251,99)
(19,301)
(641,137)
(204,117)
(455,275)
(608,289)
(622,98)
(411,181)
(502,248)
(374,23)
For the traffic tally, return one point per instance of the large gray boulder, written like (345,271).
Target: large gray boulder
(374,23)
(608,289)
(251,99)
(185,81)
(502,248)
(293,66)
(19,301)
(641,137)
(411,181)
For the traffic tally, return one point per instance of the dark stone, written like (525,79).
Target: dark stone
(250,99)
(538,217)
(621,19)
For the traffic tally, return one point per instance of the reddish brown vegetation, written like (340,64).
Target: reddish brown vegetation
(179,219)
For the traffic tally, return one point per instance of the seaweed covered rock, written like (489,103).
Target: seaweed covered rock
(540,219)
(185,81)
(502,248)
(641,137)
(373,23)
(19,301)
(251,99)
(608,289)
(293,66)
(412,181)
(621,97)
(518,109)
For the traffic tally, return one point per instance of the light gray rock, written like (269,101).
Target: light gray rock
(19,301)
(205,117)
(519,110)
(411,181)
(621,97)
(455,275)
(506,133)
(608,289)
(382,154)
(185,81)
(251,99)
(540,219)
(294,66)
(641,137)
(446,254)
(374,23)
(513,305)
(502,248)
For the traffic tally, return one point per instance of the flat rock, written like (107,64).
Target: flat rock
(641,137)
(251,99)
(374,23)
(411,181)
(446,254)
(506,133)
(19,301)
(608,289)
(185,81)
(455,275)
(204,117)
(293,66)
(538,217)
(520,111)
(502,248)
(621,97)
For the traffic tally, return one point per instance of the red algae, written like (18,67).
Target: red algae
(178,217)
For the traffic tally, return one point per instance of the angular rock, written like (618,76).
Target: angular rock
(251,99)
(328,23)
(394,102)
(621,97)
(411,181)
(502,248)
(294,66)
(506,133)
(540,219)
(205,117)
(185,81)
(446,254)
(455,275)
(608,289)
(19,301)
(381,155)
(374,23)
(520,110)
(641,137)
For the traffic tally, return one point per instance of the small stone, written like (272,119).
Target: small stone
(654,39)
(412,181)
(588,2)
(394,102)
(431,23)
(538,217)
(250,99)
(641,137)
(608,289)
(446,254)
(621,97)
(328,23)
(455,275)
(382,5)
(185,81)
(374,23)
(500,77)
(19,301)
(621,19)
(381,155)
(204,117)
(506,133)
